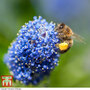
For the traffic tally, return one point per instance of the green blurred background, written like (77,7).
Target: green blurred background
(74,66)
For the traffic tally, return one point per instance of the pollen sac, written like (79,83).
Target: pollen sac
(33,54)
(63,46)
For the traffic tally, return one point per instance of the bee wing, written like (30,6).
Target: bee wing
(79,38)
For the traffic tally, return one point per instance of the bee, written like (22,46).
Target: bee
(66,36)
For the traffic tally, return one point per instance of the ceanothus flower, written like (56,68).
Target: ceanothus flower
(33,54)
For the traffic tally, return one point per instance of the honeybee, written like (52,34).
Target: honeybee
(66,35)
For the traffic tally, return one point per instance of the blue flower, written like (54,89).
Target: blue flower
(33,54)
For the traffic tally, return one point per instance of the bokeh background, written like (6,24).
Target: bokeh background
(74,66)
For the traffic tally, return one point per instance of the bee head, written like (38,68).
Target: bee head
(64,30)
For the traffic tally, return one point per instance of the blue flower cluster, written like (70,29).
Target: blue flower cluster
(33,54)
